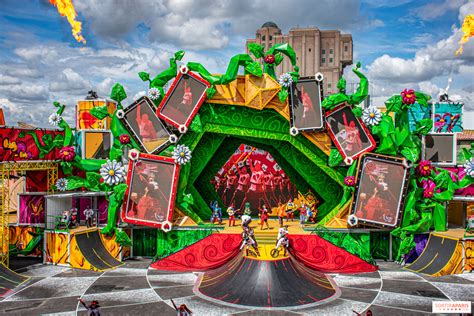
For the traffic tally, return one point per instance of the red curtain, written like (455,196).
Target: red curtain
(319,254)
(206,254)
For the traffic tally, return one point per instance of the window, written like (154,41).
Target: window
(270,37)
(329,85)
(323,60)
(330,60)
(324,51)
(330,51)
(346,48)
(263,37)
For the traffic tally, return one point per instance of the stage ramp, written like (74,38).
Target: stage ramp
(9,280)
(443,255)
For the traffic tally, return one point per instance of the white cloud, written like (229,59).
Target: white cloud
(8,80)
(68,81)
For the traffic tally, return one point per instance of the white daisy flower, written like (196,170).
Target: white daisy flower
(469,167)
(61,184)
(112,172)
(153,93)
(54,119)
(181,154)
(285,80)
(371,116)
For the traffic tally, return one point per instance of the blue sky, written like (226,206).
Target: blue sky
(400,44)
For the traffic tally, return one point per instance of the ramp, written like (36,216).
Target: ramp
(91,247)
(9,280)
(442,255)
(285,284)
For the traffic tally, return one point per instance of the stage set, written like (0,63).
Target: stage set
(245,179)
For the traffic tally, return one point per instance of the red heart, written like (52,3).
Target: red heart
(133,154)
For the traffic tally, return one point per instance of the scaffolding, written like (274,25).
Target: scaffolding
(6,169)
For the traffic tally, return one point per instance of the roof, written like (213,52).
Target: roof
(467,134)
(269,24)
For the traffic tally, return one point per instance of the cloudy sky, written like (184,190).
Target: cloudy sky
(400,43)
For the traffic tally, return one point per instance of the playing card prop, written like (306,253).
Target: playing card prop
(141,121)
(306,113)
(183,100)
(380,190)
(448,117)
(348,133)
(152,182)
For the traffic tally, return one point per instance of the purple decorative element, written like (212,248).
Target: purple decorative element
(420,241)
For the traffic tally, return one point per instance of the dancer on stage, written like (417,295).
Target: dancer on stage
(216,212)
(231,212)
(282,240)
(281,213)
(264,215)
(248,236)
(242,187)
(290,210)
(256,193)
(230,184)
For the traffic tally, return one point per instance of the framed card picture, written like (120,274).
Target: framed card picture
(145,127)
(149,200)
(306,113)
(348,133)
(183,100)
(440,148)
(448,117)
(381,185)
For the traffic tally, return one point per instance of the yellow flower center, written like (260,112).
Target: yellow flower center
(372,115)
(66,153)
(426,167)
(409,95)
(182,154)
(112,172)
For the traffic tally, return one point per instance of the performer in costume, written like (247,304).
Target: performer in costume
(269,188)
(290,210)
(282,240)
(231,213)
(182,310)
(256,192)
(242,187)
(216,212)
(93,309)
(248,236)
(281,213)
(89,214)
(231,181)
(264,215)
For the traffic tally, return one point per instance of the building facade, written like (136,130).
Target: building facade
(316,50)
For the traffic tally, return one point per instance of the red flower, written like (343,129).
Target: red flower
(349,181)
(67,153)
(408,96)
(124,139)
(269,59)
(428,193)
(424,168)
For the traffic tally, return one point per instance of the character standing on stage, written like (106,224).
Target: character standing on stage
(231,213)
(302,210)
(248,236)
(256,192)
(290,210)
(66,218)
(242,187)
(182,310)
(230,185)
(264,215)
(247,210)
(89,214)
(93,309)
(281,213)
(269,188)
(282,240)
(74,219)
(216,212)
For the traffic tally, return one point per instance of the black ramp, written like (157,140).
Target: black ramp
(94,251)
(438,251)
(101,251)
(265,284)
(9,279)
